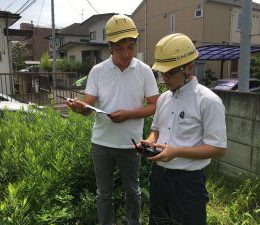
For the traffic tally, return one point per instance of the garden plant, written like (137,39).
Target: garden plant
(47,177)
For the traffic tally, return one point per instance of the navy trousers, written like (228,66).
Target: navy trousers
(177,197)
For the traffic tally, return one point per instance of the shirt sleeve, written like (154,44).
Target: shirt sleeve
(151,87)
(155,123)
(92,82)
(214,125)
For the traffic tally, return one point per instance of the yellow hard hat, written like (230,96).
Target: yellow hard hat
(172,51)
(119,27)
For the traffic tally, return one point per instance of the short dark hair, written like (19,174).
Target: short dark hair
(122,40)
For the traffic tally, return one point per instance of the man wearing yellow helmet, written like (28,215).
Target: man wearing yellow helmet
(120,86)
(189,127)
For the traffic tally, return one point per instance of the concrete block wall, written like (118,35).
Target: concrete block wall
(242,158)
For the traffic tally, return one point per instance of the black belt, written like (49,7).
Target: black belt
(176,171)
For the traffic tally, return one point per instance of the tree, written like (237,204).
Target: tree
(255,66)
(46,63)
(18,53)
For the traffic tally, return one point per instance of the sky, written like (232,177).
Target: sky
(66,11)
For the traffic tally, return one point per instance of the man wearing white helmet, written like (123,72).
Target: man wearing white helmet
(120,86)
(189,127)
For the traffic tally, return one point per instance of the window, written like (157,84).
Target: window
(61,41)
(198,13)
(72,57)
(92,35)
(83,40)
(173,24)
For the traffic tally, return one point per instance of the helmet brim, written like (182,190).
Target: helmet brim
(163,68)
(117,38)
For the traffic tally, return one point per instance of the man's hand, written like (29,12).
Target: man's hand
(76,105)
(166,155)
(119,116)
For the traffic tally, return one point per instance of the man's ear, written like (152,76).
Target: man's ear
(110,50)
(188,68)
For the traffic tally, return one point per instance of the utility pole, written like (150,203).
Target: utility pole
(145,31)
(53,44)
(245,46)
(82,15)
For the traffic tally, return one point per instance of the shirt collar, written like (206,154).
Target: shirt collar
(189,87)
(112,65)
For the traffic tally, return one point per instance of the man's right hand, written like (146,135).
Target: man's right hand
(76,105)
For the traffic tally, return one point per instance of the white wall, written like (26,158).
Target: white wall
(4,62)
(235,33)
(76,51)
(98,26)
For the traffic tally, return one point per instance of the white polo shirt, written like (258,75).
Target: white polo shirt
(193,115)
(116,90)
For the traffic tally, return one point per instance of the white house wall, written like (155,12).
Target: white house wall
(235,32)
(98,26)
(77,52)
(4,61)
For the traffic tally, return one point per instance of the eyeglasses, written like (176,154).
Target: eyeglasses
(171,72)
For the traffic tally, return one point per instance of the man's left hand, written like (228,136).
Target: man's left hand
(119,116)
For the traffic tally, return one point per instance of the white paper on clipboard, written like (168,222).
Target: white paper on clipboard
(96,109)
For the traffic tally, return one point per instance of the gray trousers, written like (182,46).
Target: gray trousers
(129,162)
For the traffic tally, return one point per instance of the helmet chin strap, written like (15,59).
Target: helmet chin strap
(186,79)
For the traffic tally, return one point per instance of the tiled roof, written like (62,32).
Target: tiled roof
(75,28)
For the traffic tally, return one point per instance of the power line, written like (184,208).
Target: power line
(25,6)
(10,5)
(28,6)
(92,7)
(22,6)
(40,13)
(73,7)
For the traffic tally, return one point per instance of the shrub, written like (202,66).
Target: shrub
(209,77)
(45,168)
(45,63)
(47,177)
(67,65)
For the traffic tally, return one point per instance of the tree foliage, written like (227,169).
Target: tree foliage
(45,63)
(68,65)
(255,66)
(18,53)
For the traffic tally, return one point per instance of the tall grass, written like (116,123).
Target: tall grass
(47,177)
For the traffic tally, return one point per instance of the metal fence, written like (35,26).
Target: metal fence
(41,88)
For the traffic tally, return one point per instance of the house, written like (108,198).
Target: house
(204,21)
(69,34)
(36,44)
(84,42)
(7,19)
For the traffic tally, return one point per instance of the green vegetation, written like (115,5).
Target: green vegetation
(209,77)
(47,176)
(18,50)
(255,66)
(68,65)
(45,63)
(64,65)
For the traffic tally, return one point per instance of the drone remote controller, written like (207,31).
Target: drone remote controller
(146,150)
